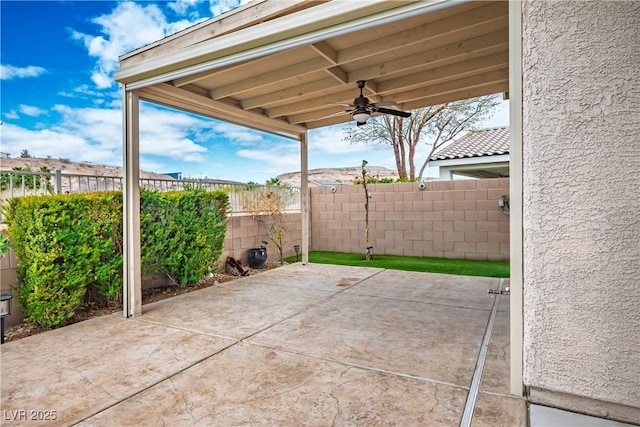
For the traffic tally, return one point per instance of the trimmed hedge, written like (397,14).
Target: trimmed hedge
(69,247)
(182,233)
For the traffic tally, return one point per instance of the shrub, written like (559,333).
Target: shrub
(182,233)
(69,247)
(64,246)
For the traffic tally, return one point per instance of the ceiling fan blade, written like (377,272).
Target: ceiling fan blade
(393,112)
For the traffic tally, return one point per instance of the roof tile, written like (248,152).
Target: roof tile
(476,143)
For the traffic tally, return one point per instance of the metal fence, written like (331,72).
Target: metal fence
(17,183)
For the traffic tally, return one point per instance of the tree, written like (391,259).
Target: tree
(436,125)
(367,196)
(274,181)
(268,206)
(24,154)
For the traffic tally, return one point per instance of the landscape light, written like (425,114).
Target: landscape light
(5,310)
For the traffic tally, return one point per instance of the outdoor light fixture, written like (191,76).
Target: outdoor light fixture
(296,248)
(361,116)
(370,252)
(5,310)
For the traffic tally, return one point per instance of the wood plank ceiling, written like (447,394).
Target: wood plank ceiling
(451,53)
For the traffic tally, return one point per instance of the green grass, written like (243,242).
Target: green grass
(463,267)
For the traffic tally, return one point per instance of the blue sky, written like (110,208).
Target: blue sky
(59,99)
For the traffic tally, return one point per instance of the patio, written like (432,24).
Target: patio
(297,345)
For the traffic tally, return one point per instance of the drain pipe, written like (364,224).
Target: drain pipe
(472,397)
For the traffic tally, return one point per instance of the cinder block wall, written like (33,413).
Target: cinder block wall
(243,233)
(449,219)
(9,278)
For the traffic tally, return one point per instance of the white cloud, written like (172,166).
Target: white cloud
(162,133)
(8,72)
(331,140)
(31,111)
(237,134)
(220,6)
(102,127)
(181,6)
(152,166)
(273,154)
(46,142)
(11,115)
(129,26)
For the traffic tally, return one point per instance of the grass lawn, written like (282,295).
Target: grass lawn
(463,267)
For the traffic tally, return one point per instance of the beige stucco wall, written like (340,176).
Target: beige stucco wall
(447,219)
(581,203)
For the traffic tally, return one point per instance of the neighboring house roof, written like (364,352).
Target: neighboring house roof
(477,143)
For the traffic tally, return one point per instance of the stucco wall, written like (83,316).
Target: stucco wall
(581,150)
(447,219)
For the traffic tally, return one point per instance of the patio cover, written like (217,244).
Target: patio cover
(279,66)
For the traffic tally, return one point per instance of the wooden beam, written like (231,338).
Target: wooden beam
(316,103)
(480,80)
(456,95)
(236,19)
(453,52)
(338,74)
(300,91)
(240,69)
(457,70)
(330,121)
(316,114)
(326,51)
(178,98)
(331,55)
(493,14)
(264,79)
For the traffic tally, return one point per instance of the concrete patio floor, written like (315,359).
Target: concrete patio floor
(298,345)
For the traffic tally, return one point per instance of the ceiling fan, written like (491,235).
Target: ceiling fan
(361,109)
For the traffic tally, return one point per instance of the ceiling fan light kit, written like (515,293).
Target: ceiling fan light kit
(361,116)
(363,109)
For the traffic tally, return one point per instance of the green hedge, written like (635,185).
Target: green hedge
(69,247)
(182,233)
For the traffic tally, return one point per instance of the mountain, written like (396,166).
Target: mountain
(321,176)
(69,167)
(346,175)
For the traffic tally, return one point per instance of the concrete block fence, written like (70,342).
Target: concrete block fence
(446,219)
(244,233)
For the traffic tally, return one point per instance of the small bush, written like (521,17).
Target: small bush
(69,247)
(64,246)
(182,233)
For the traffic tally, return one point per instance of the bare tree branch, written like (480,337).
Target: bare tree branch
(437,124)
